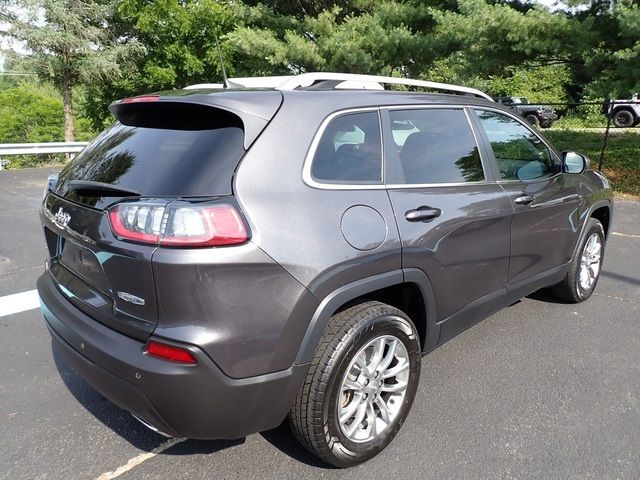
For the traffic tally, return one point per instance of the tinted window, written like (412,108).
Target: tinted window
(520,154)
(434,146)
(159,161)
(350,150)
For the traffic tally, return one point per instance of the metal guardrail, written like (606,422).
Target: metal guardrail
(40,148)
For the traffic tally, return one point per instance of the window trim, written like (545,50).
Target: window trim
(526,125)
(311,181)
(486,160)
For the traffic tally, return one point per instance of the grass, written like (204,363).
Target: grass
(621,161)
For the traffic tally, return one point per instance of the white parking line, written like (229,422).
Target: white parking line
(143,457)
(629,235)
(19,302)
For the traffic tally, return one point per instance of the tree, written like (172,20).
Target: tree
(68,44)
(363,36)
(179,38)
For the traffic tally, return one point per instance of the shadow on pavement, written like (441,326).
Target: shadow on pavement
(127,427)
(121,421)
(545,295)
(282,438)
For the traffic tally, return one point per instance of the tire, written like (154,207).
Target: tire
(623,118)
(314,416)
(533,119)
(574,288)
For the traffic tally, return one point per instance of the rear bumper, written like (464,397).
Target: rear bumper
(194,401)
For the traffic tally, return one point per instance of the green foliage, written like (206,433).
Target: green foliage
(505,47)
(542,84)
(67,43)
(32,112)
(622,157)
(179,37)
(611,52)
(586,115)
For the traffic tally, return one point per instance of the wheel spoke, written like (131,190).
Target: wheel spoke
(361,363)
(394,387)
(349,410)
(384,410)
(371,420)
(395,370)
(391,353)
(349,384)
(378,353)
(353,426)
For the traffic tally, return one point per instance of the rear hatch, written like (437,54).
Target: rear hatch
(162,151)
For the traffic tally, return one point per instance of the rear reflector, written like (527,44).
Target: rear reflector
(169,352)
(181,225)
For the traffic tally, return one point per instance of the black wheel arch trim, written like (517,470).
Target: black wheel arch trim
(332,302)
(587,215)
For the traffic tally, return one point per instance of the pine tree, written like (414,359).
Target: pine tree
(67,42)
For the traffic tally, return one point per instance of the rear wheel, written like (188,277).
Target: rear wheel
(623,118)
(584,271)
(360,386)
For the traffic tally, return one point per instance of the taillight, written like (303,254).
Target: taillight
(169,352)
(179,225)
(137,222)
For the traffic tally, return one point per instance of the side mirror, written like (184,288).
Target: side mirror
(573,162)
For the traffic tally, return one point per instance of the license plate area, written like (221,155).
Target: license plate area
(82,262)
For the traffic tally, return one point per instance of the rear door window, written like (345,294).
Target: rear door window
(349,150)
(433,145)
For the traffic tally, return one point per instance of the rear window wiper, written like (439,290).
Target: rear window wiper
(88,188)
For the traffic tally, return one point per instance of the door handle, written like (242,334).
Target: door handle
(422,214)
(524,199)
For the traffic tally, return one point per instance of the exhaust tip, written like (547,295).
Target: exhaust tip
(151,427)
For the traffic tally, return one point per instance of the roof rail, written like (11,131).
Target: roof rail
(345,81)
(368,82)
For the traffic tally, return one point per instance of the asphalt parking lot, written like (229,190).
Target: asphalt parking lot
(539,390)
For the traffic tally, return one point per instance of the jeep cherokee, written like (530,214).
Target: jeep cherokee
(220,259)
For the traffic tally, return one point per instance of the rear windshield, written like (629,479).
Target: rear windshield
(160,162)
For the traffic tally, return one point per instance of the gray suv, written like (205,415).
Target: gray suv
(220,259)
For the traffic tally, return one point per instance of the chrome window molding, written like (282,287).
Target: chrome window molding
(396,186)
(310,181)
(307,176)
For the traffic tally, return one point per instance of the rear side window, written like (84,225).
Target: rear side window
(198,160)
(434,146)
(350,150)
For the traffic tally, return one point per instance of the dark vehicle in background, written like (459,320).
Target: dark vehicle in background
(220,259)
(623,113)
(537,115)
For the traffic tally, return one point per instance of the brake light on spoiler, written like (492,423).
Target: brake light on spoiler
(179,225)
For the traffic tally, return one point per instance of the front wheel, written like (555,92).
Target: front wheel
(585,268)
(360,386)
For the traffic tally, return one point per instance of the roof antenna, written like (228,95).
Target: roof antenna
(224,72)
